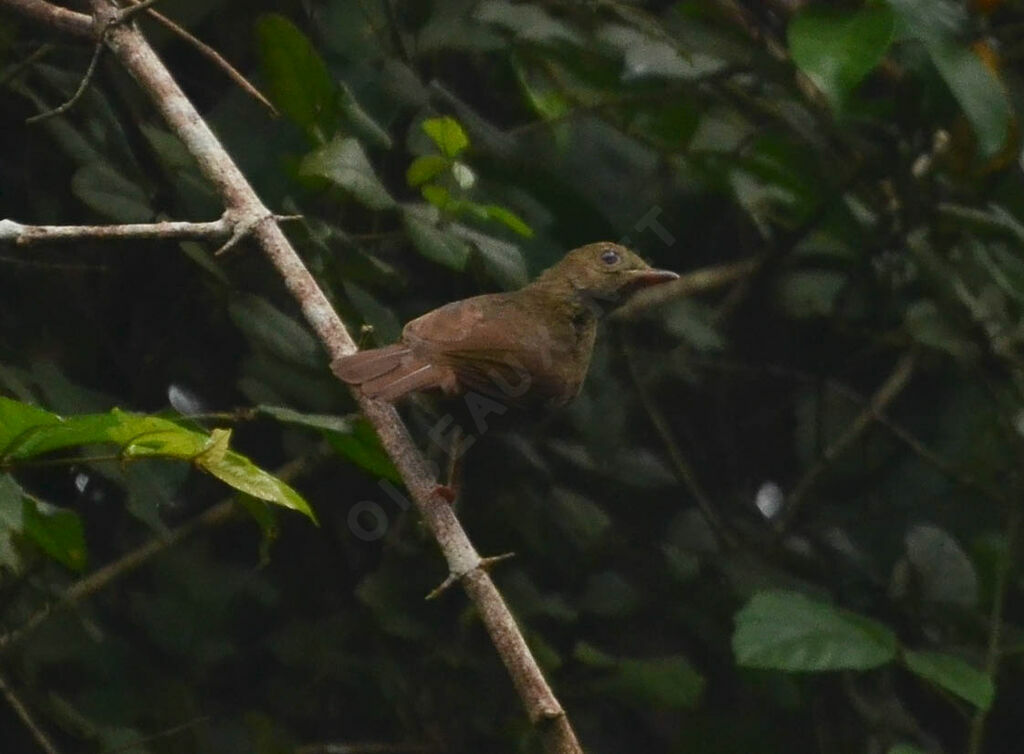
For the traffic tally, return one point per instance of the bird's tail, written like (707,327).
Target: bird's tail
(390,372)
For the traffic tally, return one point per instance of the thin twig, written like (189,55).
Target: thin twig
(228,225)
(900,432)
(26,717)
(97,52)
(140,743)
(12,71)
(233,73)
(886,394)
(683,469)
(995,632)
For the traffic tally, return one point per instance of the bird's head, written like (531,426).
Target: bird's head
(605,273)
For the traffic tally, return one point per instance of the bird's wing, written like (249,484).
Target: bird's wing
(494,345)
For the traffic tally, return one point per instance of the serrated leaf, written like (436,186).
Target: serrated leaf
(297,77)
(109,193)
(344,163)
(783,630)
(447,135)
(836,48)
(953,674)
(426,168)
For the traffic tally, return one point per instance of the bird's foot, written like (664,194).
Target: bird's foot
(447,492)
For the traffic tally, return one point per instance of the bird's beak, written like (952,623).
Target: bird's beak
(647,278)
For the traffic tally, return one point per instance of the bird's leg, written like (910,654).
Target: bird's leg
(450,489)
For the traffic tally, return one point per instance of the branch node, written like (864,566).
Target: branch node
(243,225)
(484,564)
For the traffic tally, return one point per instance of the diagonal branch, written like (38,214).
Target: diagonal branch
(885,395)
(129,46)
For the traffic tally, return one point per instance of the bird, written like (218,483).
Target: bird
(526,348)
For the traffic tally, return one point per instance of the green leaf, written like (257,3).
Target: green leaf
(648,56)
(141,436)
(110,194)
(360,121)
(526,21)
(905,749)
(16,418)
(509,219)
(297,77)
(925,323)
(265,518)
(980,93)
(938,25)
(447,134)
(57,531)
(344,163)
(324,422)
(432,242)
(363,448)
(659,682)
(504,261)
(783,630)
(239,472)
(836,49)
(811,293)
(954,675)
(385,322)
(11,523)
(439,196)
(268,328)
(426,168)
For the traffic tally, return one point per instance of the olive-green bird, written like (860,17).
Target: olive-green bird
(526,348)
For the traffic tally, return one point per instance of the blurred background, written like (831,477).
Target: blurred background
(784,513)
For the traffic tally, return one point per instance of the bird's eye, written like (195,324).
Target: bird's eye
(609,257)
